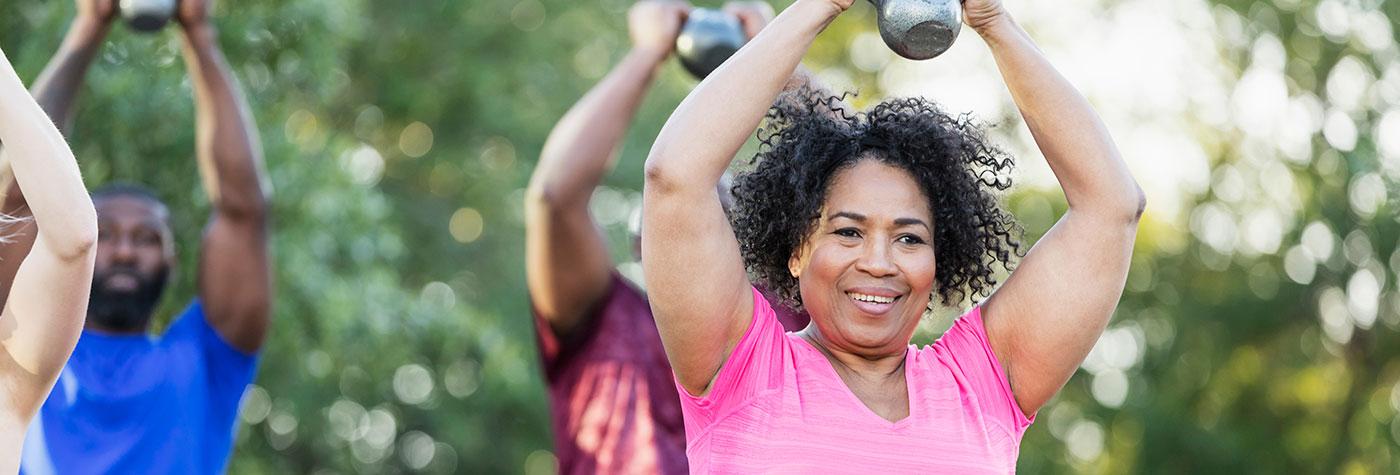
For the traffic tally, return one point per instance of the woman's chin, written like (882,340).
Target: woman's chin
(873,342)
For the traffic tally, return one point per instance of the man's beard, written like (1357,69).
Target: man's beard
(124,310)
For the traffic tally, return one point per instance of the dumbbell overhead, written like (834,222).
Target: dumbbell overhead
(147,15)
(919,29)
(708,38)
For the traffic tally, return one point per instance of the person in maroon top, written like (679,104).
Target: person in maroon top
(613,401)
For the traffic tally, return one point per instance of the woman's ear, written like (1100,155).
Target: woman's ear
(798,260)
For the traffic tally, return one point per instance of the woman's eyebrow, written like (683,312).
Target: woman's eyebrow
(857,217)
(860,218)
(912,222)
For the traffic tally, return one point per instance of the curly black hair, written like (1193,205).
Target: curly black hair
(808,137)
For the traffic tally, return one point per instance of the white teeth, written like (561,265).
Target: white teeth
(870,298)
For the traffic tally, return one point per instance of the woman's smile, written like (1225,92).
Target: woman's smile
(873,301)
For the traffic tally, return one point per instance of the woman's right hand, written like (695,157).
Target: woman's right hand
(100,12)
(655,24)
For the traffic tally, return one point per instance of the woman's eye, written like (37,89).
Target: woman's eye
(847,232)
(911,239)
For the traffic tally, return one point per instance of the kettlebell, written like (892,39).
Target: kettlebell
(919,29)
(147,16)
(708,38)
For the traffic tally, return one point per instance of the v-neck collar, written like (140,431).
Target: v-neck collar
(830,371)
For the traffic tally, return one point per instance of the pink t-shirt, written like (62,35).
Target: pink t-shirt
(777,406)
(613,402)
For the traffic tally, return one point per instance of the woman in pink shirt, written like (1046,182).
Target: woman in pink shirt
(861,219)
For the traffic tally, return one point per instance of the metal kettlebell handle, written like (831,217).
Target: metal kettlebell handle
(919,29)
(147,16)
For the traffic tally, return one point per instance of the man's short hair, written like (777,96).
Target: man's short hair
(130,190)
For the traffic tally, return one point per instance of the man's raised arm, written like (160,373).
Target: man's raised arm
(235,281)
(566,258)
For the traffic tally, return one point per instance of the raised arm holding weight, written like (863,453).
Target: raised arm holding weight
(603,361)
(197,370)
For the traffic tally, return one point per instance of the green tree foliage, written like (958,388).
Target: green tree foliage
(1268,336)
(1257,332)
(395,345)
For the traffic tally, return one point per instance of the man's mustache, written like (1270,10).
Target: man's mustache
(106,277)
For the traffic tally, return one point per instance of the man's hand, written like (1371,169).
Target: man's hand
(98,12)
(194,12)
(754,15)
(655,24)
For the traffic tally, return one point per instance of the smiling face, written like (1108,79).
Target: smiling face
(867,271)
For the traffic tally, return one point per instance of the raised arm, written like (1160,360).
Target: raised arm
(40,325)
(755,15)
(1046,318)
(695,276)
(234,266)
(566,257)
(55,91)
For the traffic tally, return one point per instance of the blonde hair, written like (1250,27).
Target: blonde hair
(6,221)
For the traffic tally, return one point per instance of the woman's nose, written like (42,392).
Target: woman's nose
(875,260)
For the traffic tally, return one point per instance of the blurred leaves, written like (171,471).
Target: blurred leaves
(395,347)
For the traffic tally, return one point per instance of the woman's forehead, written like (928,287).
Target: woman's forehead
(876,190)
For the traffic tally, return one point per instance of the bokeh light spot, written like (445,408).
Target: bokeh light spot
(413,384)
(257,404)
(364,164)
(304,129)
(1364,298)
(1085,441)
(462,378)
(466,225)
(417,450)
(439,296)
(416,140)
(1110,388)
(1367,194)
(498,154)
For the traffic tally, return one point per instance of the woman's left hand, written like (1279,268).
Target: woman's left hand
(194,12)
(980,14)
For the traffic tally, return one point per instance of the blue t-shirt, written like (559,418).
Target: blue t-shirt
(137,404)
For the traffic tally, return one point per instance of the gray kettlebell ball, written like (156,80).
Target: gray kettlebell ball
(919,29)
(708,38)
